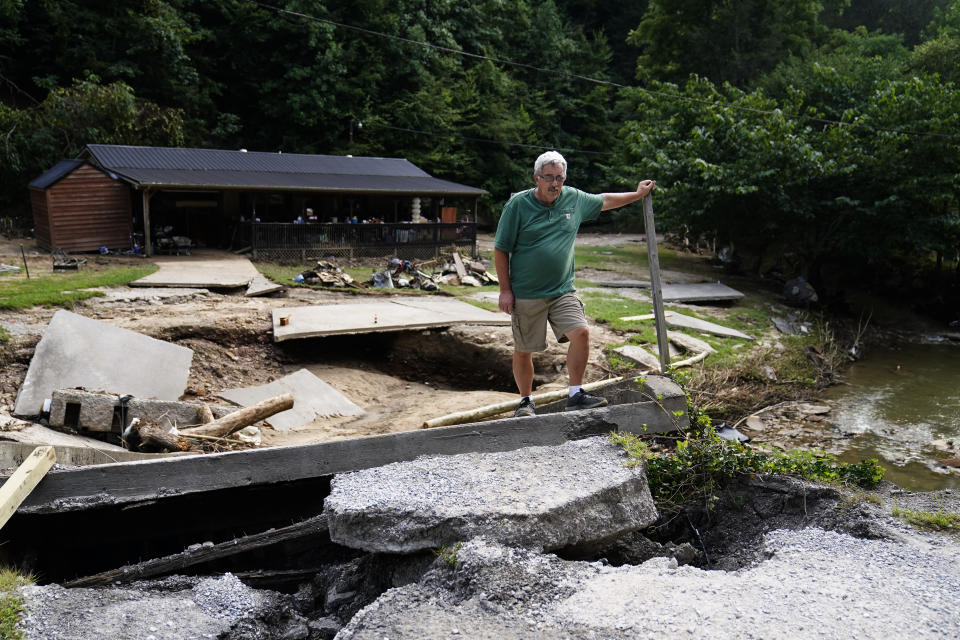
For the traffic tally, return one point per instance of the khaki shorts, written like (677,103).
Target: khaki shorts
(531,315)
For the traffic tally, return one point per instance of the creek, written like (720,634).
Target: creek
(897,402)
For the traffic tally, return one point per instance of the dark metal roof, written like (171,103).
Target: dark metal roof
(163,167)
(55,174)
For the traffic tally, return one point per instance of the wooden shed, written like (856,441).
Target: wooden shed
(79,207)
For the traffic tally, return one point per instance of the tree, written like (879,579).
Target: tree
(725,40)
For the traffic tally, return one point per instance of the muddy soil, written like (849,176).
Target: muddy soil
(399,379)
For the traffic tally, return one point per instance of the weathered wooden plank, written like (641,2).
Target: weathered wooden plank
(19,485)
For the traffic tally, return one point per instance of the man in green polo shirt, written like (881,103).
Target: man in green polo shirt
(533,253)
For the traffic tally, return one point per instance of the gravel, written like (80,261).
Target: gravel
(814,584)
(172,609)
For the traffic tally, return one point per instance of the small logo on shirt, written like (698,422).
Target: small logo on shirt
(568,216)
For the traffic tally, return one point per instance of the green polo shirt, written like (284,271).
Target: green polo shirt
(539,239)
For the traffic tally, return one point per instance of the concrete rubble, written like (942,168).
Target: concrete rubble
(101,412)
(76,351)
(577,493)
(313,398)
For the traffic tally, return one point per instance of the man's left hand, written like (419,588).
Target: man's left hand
(645,187)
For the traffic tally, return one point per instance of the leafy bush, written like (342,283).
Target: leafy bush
(703,462)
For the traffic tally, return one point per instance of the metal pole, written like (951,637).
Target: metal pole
(655,289)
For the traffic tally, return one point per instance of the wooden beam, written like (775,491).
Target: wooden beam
(194,556)
(19,485)
(138,482)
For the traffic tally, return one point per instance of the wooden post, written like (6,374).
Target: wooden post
(147,242)
(655,288)
(19,485)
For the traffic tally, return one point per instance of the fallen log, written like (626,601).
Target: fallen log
(241,418)
(493,409)
(198,554)
(689,361)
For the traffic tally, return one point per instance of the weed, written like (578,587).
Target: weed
(4,335)
(11,604)
(938,520)
(850,501)
(447,554)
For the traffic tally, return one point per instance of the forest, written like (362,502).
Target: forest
(813,138)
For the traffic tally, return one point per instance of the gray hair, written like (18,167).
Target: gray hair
(549,157)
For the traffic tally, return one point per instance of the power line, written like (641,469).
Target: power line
(488,140)
(609,83)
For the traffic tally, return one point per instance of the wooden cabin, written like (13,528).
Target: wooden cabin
(78,207)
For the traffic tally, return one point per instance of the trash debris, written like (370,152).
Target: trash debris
(727,432)
(799,292)
(62,262)
(450,269)
(9,268)
(327,274)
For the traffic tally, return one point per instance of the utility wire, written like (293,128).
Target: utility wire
(488,140)
(609,83)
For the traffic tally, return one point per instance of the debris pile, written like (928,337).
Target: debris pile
(403,274)
(472,273)
(450,269)
(327,274)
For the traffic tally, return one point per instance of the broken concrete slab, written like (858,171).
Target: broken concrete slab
(150,295)
(639,355)
(80,352)
(396,314)
(104,412)
(624,284)
(675,319)
(133,482)
(313,398)
(700,292)
(690,343)
(261,286)
(206,268)
(551,497)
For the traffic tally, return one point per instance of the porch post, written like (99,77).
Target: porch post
(148,248)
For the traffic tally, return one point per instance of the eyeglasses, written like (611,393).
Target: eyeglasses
(551,179)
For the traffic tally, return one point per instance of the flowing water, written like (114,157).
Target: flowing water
(898,402)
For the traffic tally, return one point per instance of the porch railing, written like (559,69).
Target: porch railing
(285,242)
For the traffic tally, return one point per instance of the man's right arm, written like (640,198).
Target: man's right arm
(501,259)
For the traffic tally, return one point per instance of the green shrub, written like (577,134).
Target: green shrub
(702,462)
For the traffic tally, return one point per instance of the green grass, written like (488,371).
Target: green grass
(4,336)
(11,604)
(63,290)
(631,256)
